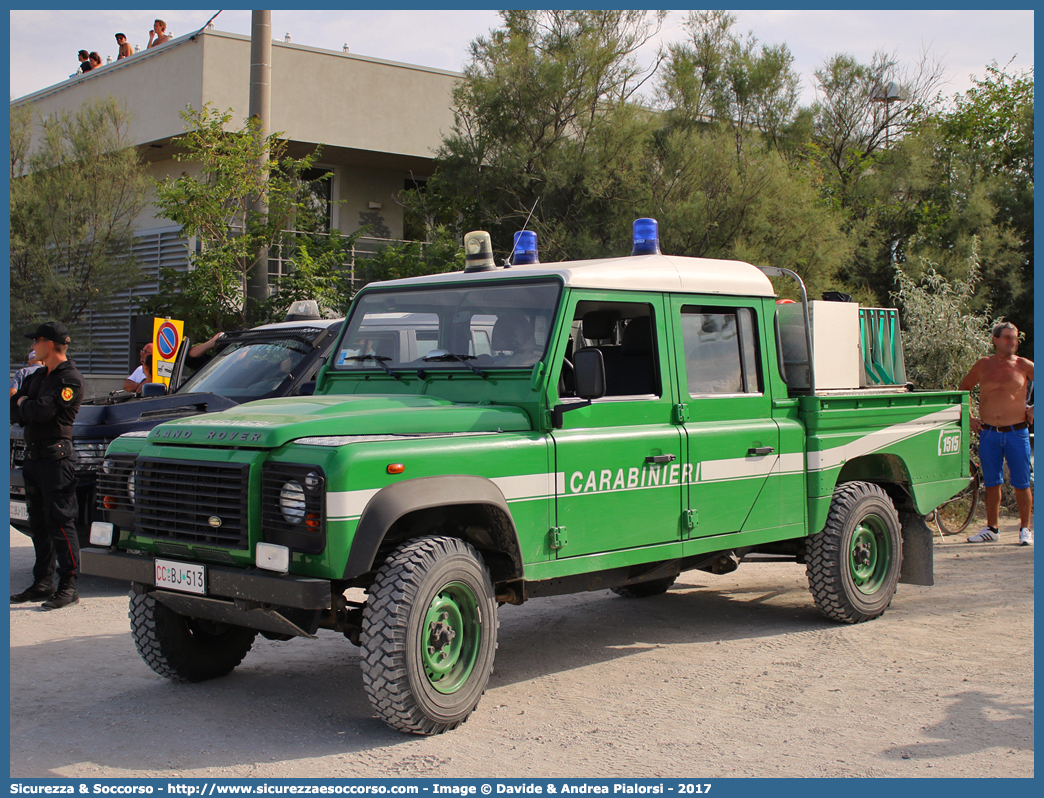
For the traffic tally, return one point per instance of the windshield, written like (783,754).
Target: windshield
(453,327)
(249,370)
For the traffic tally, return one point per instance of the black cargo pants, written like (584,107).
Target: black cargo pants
(50,492)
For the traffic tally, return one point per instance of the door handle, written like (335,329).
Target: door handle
(660,458)
(760,450)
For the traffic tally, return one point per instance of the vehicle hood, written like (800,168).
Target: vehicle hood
(154,409)
(270,423)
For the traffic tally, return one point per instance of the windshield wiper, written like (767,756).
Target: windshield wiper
(380,362)
(438,354)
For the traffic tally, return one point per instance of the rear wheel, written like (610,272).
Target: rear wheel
(853,564)
(654,587)
(429,635)
(185,649)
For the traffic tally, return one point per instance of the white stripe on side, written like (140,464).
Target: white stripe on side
(875,441)
(348,505)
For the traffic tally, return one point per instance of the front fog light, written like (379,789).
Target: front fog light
(101,533)
(292,502)
(272,557)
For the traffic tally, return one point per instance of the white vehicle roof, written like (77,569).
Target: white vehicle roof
(634,273)
(296,325)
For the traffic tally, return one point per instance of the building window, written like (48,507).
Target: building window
(315,197)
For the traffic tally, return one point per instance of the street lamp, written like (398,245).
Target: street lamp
(886,94)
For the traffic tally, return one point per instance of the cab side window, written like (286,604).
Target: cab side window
(720,350)
(625,334)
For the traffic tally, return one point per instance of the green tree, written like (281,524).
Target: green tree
(441,254)
(863,108)
(543,115)
(215,204)
(958,189)
(719,172)
(722,77)
(769,213)
(942,335)
(989,138)
(315,271)
(863,116)
(74,198)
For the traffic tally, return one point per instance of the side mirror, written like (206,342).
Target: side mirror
(590,373)
(153,389)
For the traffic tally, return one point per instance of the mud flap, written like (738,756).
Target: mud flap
(918,551)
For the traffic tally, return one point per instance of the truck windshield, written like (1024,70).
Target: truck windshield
(452,327)
(248,371)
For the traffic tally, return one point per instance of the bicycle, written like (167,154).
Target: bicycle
(955,515)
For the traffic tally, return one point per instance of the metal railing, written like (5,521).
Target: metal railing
(281,255)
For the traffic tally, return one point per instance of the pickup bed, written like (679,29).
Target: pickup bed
(621,421)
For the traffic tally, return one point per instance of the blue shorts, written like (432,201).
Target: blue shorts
(996,447)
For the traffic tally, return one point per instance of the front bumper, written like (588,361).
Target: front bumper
(255,599)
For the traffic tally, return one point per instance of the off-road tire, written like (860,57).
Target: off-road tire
(432,598)
(654,587)
(185,649)
(853,564)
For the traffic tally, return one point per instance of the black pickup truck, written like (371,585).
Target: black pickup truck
(265,362)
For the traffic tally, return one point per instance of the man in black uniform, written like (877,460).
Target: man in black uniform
(46,405)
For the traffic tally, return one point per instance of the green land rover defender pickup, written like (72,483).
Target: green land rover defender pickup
(586,425)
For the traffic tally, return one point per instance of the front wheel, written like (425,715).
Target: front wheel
(853,564)
(429,635)
(185,649)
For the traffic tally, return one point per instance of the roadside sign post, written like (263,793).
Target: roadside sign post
(166,339)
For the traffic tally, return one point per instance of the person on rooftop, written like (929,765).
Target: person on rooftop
(125,48)
(158,35)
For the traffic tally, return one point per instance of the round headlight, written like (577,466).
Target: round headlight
(292,502)
(130,486)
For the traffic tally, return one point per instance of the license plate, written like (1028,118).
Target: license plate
(19,511)
(181,576)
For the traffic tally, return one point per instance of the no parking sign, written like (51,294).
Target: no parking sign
(166,338)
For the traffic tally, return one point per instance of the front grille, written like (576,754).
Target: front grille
(192,501)
(89,453)
(17,452)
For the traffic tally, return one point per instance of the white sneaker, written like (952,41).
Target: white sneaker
(983,535)
(1025,537)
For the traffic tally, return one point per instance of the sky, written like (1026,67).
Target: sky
(44,43)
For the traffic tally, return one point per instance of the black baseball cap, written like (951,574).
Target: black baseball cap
(53,331)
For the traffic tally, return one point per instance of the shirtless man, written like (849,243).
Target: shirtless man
(1004,416)
(158,34)
(125,48)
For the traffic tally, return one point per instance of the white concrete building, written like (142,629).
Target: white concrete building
(379,122)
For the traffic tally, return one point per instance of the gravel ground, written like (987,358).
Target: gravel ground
(724,676)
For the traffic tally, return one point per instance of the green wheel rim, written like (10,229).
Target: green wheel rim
(870,554)
(450,637)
